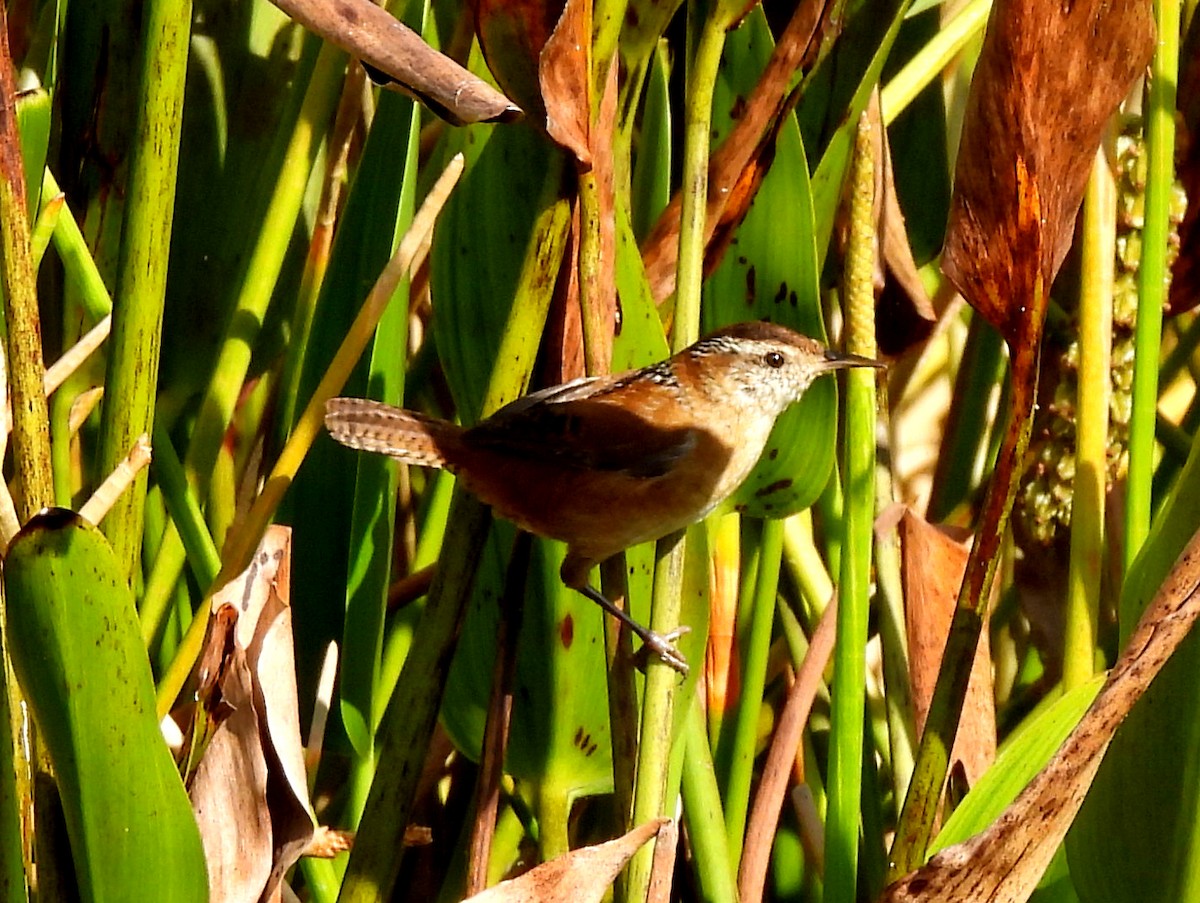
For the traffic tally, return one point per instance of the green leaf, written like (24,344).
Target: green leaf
(33,124)
(77,651)
(479,253)
(372,526)
(559,731)
(342,502)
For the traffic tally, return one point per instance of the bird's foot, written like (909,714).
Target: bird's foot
(660,644)
(663,645)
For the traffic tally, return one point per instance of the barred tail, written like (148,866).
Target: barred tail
(376,427)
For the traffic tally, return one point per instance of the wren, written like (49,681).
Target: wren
(605,462)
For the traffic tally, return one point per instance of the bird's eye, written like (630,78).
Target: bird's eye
(773,359)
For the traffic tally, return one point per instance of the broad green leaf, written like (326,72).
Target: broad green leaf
(479,251)
(640,340)
(387,189)
(559,744)
(76,647)
(651,177)
(559,739)
(917,143)
(246,81)
(342,502)
(771,271)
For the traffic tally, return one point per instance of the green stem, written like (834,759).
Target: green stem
(849,667)
(961,458)
(30,414)
(1091,444)
(262,271)
(932,59)
(702,813)
(131,381)
(654,750)
(32,463)
(893,637)
(79,266)
(917,816)
(703,64)
(754,679)
(188,518)
(1152,274)
(13,784)
(596,304)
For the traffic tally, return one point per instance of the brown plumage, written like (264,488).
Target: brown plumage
(603,463)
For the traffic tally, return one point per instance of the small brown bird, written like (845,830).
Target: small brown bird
(603,463)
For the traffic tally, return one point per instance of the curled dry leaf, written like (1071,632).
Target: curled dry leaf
(249,790)
(931,570)
(539,51)
(581,876)
(1004,863)
(1049,77)
(395,54)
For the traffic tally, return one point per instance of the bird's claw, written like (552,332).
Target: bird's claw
(663,646)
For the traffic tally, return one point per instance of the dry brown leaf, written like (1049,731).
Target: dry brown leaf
(272,658)
(328,842)
(932,567)
(249,790)
(662,868)
(392,50)
(1004,863)
(564,72)
(540,51)
(228,793)
(1048,78)
(580,876)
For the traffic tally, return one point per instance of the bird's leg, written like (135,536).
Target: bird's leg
(661,644)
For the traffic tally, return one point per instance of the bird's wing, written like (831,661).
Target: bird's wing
(586,433)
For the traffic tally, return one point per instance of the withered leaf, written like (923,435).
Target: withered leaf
(396,55)
(1048,78)
(539,50)
(737,167)
(580,876)
(249,790)
(932,567)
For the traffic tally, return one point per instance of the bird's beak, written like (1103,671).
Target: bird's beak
(838,360)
